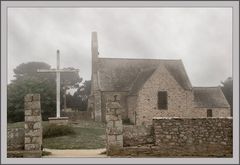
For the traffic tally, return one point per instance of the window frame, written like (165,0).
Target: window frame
(162,105)
(209,111)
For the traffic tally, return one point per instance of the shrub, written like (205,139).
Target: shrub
(53,130)
(15,116)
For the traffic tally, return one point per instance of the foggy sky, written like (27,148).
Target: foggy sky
(201,37)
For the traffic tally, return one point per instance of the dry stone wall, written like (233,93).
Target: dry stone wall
(182,137)
(15,139)
(194,135)
(33,125)
(134,135)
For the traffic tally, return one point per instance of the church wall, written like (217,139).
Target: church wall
(121,97)
(97,106)
(90,108)
(216,112)
(180,101)
(131,105)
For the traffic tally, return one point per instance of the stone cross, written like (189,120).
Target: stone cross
(57,71)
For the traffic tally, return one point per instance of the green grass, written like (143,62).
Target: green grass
(15,125)
(21,124)
(85,138)
(88,135)
(53,130)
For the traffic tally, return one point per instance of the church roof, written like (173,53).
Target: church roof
(142,77)
(119,74)
(209,97)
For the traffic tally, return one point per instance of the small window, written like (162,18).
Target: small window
(209,112)
(162,100)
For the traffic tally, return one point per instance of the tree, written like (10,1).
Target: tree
(29,81)
(227,88)
(79,99)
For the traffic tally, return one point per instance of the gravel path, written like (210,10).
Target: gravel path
(75,153)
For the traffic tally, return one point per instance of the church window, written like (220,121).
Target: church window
(162,100)
(209,112)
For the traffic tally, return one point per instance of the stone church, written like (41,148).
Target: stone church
(147,88)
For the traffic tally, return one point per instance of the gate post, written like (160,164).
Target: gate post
(33,126)
(114,128)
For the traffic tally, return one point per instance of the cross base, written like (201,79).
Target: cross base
(58,120)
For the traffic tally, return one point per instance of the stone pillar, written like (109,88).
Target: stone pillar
(33,126)
(97,106)
(114,128)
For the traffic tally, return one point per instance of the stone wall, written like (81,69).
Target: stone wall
(33,125)
(183,137)
(194,135)
(167,152)
(114,127)
(80,115)
(15,139)
(134,135)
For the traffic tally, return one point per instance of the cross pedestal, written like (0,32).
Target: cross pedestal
(58,119)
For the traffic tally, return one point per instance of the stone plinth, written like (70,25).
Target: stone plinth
(58,120)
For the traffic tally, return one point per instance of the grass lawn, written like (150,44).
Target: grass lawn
(89,135)
(85,138)
(21,124)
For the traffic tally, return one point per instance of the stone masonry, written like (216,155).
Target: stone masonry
(179,137)
(194,135)
(180,101)
(33,125)
(114,128)
(137,135)
(15,139)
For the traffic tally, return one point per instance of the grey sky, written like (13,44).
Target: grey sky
(201,37)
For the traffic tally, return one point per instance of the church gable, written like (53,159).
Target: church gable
(162,95)
(162,78)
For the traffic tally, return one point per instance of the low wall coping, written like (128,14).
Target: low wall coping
(58,118)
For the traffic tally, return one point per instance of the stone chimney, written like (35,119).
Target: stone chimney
(95,89)
(95,52)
